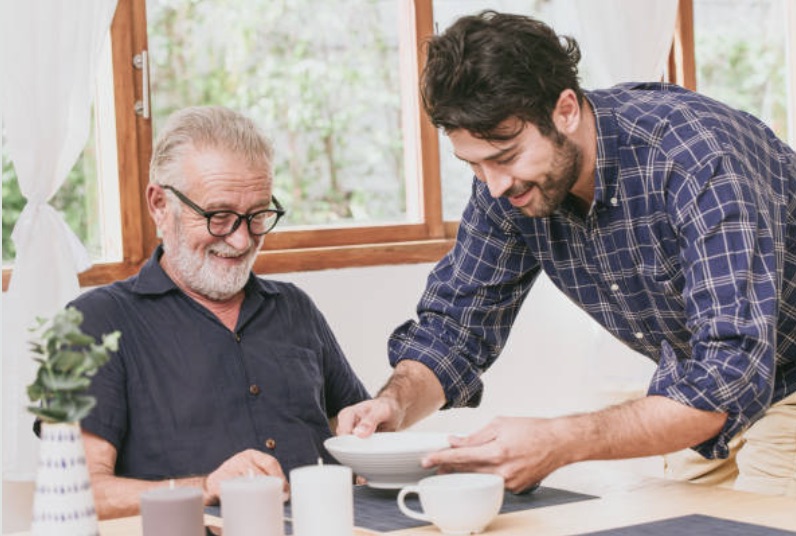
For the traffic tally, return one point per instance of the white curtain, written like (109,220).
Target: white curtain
(50,50)
(621,40)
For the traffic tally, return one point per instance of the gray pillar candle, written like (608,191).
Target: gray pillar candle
(172,512)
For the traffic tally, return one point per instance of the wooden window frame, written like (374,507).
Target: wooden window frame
(295,250)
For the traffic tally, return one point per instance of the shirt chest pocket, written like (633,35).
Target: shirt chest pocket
(663,283)
(293,374)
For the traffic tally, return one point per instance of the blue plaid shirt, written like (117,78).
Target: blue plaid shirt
(688,256)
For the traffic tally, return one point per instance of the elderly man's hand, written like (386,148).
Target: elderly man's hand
(248,462)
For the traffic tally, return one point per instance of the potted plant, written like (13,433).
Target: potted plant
(68,358)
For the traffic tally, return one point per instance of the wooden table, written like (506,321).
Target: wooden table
(656,500)
(661,500)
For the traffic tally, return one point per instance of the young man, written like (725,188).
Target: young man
(219,373)
(667,216)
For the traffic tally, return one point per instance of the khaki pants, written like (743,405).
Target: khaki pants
(762,458)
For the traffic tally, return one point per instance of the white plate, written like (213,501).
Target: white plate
(387,460)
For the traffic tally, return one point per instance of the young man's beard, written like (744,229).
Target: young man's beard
(567,163)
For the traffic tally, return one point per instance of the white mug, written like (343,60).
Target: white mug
(457,503)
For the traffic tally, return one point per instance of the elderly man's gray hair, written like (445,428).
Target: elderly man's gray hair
(206,127)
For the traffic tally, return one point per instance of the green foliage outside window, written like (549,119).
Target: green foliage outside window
(740,57)
(750,76)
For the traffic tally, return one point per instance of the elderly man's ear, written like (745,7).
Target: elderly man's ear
(157,204)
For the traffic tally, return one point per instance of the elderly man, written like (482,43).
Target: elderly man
(219,373)
(667,216)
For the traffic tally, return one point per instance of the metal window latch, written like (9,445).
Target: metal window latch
(141,61)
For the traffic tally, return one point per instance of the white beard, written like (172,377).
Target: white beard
(200,272)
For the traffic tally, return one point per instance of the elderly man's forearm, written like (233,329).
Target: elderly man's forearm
(120,497)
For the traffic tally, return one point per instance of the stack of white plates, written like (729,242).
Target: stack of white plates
(387,459)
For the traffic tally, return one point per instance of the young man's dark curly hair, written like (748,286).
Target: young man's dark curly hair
(488,67)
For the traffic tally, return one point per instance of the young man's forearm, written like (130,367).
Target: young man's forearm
(646,427)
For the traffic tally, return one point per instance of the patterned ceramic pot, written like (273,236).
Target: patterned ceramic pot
(62,501)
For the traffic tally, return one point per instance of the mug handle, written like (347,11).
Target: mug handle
(414,514)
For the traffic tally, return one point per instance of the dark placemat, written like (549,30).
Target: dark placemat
(693,525)
(377,509)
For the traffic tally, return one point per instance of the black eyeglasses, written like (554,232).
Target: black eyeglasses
(221,223)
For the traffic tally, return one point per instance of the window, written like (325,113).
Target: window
(330,98)
(314,83)
(740,55)
(335,86)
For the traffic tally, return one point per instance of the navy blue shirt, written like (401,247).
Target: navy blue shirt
(687,255)
(184,393)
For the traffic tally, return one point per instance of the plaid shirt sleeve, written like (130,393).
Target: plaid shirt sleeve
(727,233)
(471,300)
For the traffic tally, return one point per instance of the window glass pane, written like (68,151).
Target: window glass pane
(740,56)
(321,78)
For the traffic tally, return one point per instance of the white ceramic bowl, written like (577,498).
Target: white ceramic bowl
(388,460)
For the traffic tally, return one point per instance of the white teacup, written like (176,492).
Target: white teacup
(457,503)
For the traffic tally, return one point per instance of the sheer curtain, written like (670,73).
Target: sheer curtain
(50,50)
(625,40)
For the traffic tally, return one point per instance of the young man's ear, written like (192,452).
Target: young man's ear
(566,114)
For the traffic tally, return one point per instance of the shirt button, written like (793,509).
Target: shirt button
(237,337)
(254,389)
(270,443)
(614,287)
(614,201)
(639,335)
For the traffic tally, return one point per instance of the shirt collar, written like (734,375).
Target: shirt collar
(153,280)
(607,164)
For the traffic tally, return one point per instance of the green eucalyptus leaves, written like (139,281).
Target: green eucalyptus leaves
(68,359)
